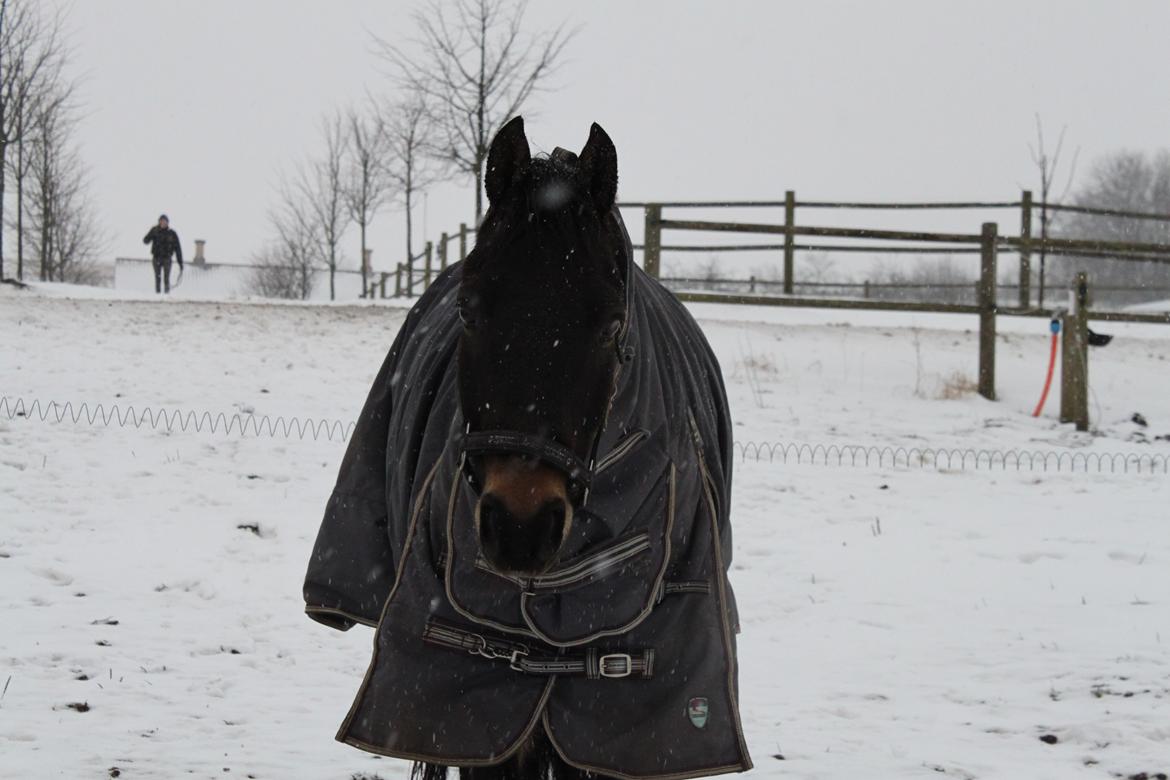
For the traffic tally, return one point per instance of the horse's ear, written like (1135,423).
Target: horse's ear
(507,159)
(598,166)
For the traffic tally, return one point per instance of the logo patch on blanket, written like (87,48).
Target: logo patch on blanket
(697,711)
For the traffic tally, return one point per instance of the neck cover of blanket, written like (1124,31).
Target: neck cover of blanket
(625,651)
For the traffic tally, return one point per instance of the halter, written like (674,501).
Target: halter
(547,451)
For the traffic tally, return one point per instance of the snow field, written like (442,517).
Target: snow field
(896,623)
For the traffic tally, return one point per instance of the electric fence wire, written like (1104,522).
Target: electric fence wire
(947,459)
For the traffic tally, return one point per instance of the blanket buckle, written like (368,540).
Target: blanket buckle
(615,665)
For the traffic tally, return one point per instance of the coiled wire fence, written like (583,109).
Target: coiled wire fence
(946,459)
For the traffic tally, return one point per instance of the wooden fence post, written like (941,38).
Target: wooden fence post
(987,307)
(789,239)
(1074,361)
(427,266)
(462,240)
(398,281)
(865,289)
(442,252)
(382,285)
(652,242)
(1025,249)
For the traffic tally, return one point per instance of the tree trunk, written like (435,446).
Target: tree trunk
(478,192)
(480,150)
(332,274)
(409,243)
(3,159)
(365,283)
(20,208)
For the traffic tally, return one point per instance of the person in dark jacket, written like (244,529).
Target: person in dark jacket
(164,242)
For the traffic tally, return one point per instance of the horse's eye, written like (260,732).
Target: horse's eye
(611,330)
(466,313)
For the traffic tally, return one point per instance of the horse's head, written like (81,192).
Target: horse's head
(543,306)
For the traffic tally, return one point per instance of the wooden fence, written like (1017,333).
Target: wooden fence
(950,292)
(1027,244)
(415,275)
(417,272)
(988,242)
(959,243)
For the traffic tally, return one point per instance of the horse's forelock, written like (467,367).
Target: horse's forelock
(553,184)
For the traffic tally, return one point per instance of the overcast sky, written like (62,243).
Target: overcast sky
(193,107)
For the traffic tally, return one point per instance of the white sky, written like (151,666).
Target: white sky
(193,107)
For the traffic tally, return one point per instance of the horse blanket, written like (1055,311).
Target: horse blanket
(625,651)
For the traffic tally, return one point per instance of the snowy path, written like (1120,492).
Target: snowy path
(896,624)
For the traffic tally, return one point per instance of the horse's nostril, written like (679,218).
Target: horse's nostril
(521,545)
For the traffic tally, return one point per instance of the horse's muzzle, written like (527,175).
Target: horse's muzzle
(521,545)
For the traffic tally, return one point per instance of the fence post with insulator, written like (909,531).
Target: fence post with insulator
(1074,363)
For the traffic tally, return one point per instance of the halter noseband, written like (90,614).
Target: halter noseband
(545,450)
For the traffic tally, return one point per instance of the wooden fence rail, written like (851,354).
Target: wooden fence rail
(420,269)
(1025,245)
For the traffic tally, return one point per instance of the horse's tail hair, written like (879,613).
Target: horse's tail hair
(423,771)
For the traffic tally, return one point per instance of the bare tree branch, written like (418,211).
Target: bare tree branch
(412,163)
(320,185)
(59,223)
(32,57)
(367,186)
(297,246)
(1125,180)
(475,71)
(1048,167)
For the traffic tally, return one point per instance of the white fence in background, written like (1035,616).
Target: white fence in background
(221,281)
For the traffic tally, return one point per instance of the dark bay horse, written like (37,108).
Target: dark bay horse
(533,510)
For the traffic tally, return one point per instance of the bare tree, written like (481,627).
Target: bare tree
(278,274)
(296,249)
(32,54)
(36,117)
(367,185)
(321,185)
(1130,181)
(1125,180)
(1048,166)
(475,69)
(62,227)
(411,164)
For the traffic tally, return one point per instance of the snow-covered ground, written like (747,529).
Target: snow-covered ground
(897,623)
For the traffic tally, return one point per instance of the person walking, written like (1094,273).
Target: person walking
(164,242)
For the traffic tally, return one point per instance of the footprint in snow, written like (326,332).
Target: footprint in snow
(1032,557)
(54,576)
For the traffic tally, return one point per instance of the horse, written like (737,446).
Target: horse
(533,511)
